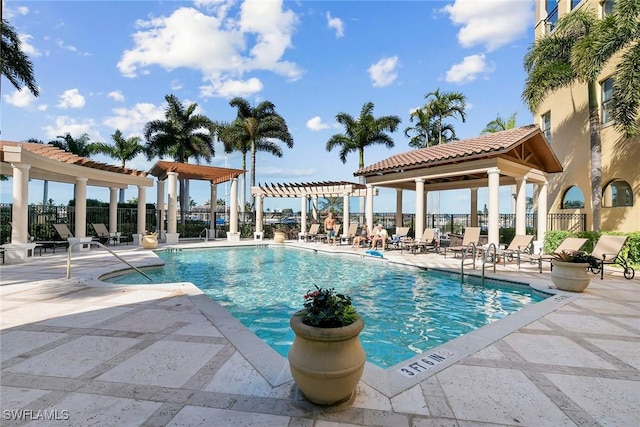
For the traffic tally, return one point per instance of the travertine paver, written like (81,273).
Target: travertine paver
(90,353)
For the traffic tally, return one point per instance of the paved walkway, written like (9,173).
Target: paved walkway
(88,353)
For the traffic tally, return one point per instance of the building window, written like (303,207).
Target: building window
(607,7)
(607,96)
(546,126)
(573,198)
(617,193)
(575,3)
(552,16)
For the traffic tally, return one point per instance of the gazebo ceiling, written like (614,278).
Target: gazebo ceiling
(319,189)
(198,172)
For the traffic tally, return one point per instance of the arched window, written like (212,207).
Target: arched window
(573,198)
(617,193)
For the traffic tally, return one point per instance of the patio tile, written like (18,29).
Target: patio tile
(628,352)
(237,376)
(192,416)
(608,401)
(15,343)
(584,324)
(148,320)
(495,395)
(75,357)
(14,398)
(88,316)
(411,402)
(555,350)
(164,363)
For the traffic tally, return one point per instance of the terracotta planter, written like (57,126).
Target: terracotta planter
(326,363)
(570,276)
(149,242)
(279,236)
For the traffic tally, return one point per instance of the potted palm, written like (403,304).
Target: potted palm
(570,270)
(327,358)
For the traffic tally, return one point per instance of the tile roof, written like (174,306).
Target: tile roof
(51,152)
(483,146)
(214,174)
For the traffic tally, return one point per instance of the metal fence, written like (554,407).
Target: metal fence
(41,218)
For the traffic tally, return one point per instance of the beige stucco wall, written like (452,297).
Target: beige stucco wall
(570,142)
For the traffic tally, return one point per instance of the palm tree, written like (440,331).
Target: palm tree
(441,105)
(427,131)
(499,124)
(123,150)
(576,52)
(16,66)
(183,135)
(234,138)
(261,126)
(331,204)
(79,146)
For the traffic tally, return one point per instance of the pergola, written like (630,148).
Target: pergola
(304,191)
(24,161)
(512,157)
(172,171)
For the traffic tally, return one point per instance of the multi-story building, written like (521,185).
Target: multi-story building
(564,119)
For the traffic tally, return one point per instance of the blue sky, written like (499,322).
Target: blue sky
(107,65)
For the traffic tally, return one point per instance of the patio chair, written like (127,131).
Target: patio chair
(312,234)
(568,244)
(398,237)
(427,240)
(105,236)
(471,235)
(519,245)
(347,238)
(607,251)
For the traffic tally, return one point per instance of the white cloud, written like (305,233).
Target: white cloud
(222,48)
(71,99)
(116,95)
(335,24)
(132,120)
(491,23)
(469,69)
(27,47)
(176,85)
(20,98)
(383,72)
(64,124)
(315,124)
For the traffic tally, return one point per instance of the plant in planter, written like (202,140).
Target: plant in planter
(278,235)
(327,358)
(149,240)
(569,270)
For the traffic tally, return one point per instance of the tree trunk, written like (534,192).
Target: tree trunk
(596,153)
(253,171)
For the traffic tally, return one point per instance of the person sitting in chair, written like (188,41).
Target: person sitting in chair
(362,238)
(379,235)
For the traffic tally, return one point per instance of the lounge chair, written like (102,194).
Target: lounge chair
(607,251)
(105,236)
(568,244)
(426,241)
(347,238)
(519,245)
(312,234)
(400,235)
(471,235)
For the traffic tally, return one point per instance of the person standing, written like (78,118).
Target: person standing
(329,224)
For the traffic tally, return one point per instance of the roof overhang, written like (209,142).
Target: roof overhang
(215,175)
(305,189)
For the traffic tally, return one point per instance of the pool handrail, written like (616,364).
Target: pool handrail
(104,247)
(464,255)
(486,254)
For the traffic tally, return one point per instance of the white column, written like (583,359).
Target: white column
(233,214)
(20,208)
(81,207)
(212,210)
(494,206)
(314,207)
(521,205)
(345,212)
(542,210)
(259,199)
(368,214)
(399,207)
(172,208)
(142,209)
(420,207)
(474,206)
(113,210)
(303,213)
(160,207)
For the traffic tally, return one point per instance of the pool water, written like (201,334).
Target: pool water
(406,310)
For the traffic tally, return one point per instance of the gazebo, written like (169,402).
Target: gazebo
(24,161)
(304,191)
(171,172)
(512,157)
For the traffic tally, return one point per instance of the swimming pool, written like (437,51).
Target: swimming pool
(406,310)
